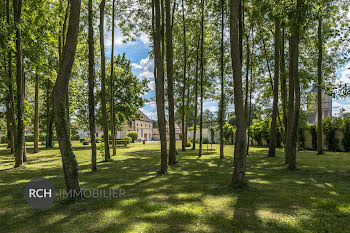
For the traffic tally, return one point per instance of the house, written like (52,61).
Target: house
(156,135)
(143,126)
(326,106)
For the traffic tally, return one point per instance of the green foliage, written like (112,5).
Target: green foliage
(228,131)
(133,135)
(260,130)
(313,131)
(330,125)
(346,131)
(205,141)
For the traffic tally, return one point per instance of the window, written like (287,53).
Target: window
(141,125)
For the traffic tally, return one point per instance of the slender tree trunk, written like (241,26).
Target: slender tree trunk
(247,79)
(196,99)
(319,89)
(160,86)
(273,129)
(296,112)
(290,102)
(11,95)
(170,79)
(202,77)
(24,126)
(240,147)
(250,93)
(91,89)
(222,95)
(49,116)
(70,165)
(187,111)
(283,87)
(36,115)
(17,6)
(184,80)
(103,82)
(112,117)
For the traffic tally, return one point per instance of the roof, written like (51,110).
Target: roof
(143,117)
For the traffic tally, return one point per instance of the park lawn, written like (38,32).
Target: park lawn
(193,197)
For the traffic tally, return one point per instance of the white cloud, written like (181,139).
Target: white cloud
(136,66)
(152,85)
(152,115)
(345,76)
(144,38)
(147,65)
(336,106)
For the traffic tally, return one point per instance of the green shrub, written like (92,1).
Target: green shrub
(4,139)
(346,131)
(329,128)
(260,130)
(313,132)
(188,144)
(127,138)
(205,141)
(133,135)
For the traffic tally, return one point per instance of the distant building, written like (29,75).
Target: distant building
(143,126)
(326,107)
(156,135)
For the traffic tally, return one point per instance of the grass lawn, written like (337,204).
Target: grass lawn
(193,197)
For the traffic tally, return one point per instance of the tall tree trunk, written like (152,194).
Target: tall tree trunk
(247,79)
(283,86)
(202,77)
(24,126)
(17,6)
(70,165)
(273,129)
(250,92)
(103,82)
(187,111)
(49,116)
(36,115)
(159,78)
(240,147)
(196,98)
(112,117)
(184,80)
(170,79)
(319,89)
(222,95)
(295,122)
(11,95)
(290,101)
(91,89)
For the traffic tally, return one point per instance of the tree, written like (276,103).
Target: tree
(170,73)
(112,117)
(196,97)
(184,80)
(103,83)
(91,88)
(273,129)
(36,115)
(202,77)
(159,80)
(222,96)
(319,88)
(133,135)
(240,148)
(70,165)
(17,6)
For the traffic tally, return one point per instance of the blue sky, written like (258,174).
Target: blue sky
(137,52)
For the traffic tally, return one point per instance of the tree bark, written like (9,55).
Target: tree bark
(112,117)
(49,116)
(247,79)
(283,87)
(240,147)
(184,80)
(24,126)
(70,165)
(202,77)
(196,98)
(319,89)
(17,6)
(273,129)
(103,82)
(91,88)
(222,95)
(170,79)
(295,122)
(159,78)
(36,115)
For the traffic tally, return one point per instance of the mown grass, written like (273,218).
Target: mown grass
(194,196)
